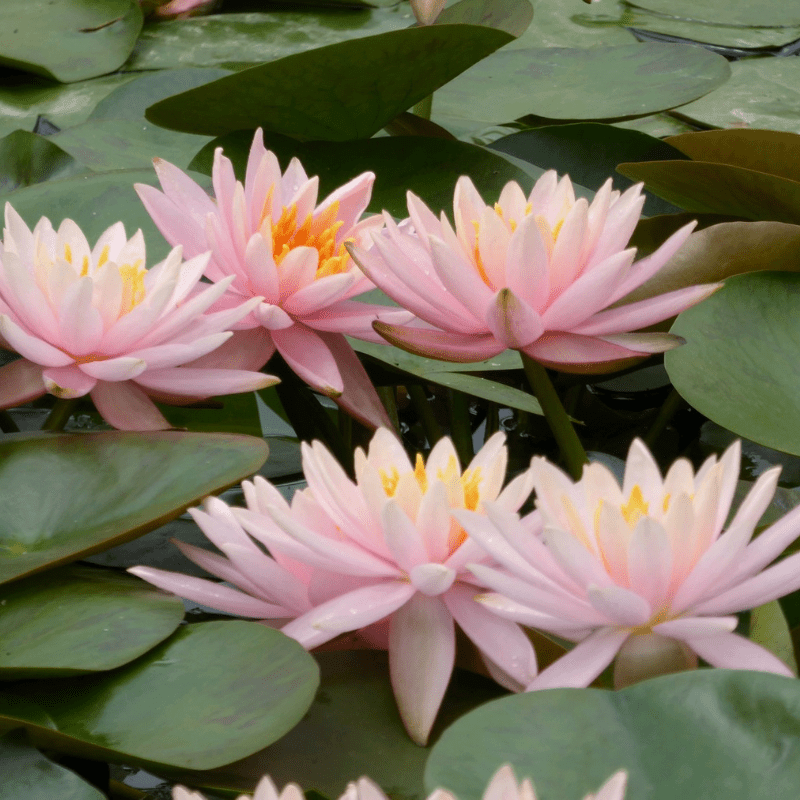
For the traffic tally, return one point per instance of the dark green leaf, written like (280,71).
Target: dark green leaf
(212,693)
(427,167)
(80,619)
(293,95)
(353,729)
(739,365)
(589,153)
(27,158)
(66,495)
(29,775)
(704,733)
(68,40)
(583,83)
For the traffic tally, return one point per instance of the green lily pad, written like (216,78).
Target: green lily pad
(236,39)
(80,619)
(95,202)
(773,152)
(68,41)
(738,366)
(29,774)
(761,93)
(589,153)
(704,733)
(27,158)
(293,95)
(720,251)
(512,16)
(719,189)
(656,125)
(455,376)
(746,13)
(574,83)
(67,495)
(24,97)
(353,729)
(768,627)
(213,693)
(427,167)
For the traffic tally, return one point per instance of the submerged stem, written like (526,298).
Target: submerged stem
(60,414)
(572,452)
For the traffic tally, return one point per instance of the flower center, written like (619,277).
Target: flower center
(319,233)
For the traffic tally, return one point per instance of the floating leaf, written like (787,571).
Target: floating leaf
(353,729)
(293,95)
(80,619)
(704,733)
(763,13)
(589,153)
(720,189)
(512,16)
(761,93)
(739,364)
(27,158)
(68,41)
(235,39)
(214,692)
(773,152)
(768,627)
(427,167)
(29,774)
(583,83)
(67,495)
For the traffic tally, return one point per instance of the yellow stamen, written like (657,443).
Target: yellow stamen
(420,474)
(68,253)
(471,481)
(477,256)
(133,290)
(85,266)
(666,502)
(103,257)
(635,508)
(390,481)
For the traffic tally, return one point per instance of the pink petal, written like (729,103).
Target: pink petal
(355,319)
(581,665)
(460,278)
(31,347)
(558,349)
(499,640)
(649,560)
(208,593)
(175,225)
(122,368)
(422,649)
(20,382)
(431,579)
(187,382)
(126,407)
(695,627)
(404,539)
(247,350)
(620,606)
(80,325)
(261,269)
(67,382)
(527,264)
(308,354)
(348,612)
(731,651)
(441,345)
(319,294)
(353,199)
(512,321)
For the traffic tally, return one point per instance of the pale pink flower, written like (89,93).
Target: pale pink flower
(426,11)
(266,790)
(95,321)
(277,243)
(642,572)
(348,555)
(535,274)
(502,786)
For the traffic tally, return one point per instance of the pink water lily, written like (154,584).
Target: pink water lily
(537,274)
(95,321)
(270,235)
(266,790)
(349,555)
(426,11)
(641,572)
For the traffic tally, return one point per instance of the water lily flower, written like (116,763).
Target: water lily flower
(641,572)
(536,274)
(382,548)
(426,11)
(276,242)
(502,786)
(266,790)
(95,321)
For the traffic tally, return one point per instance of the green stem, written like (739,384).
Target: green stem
(388,397)
(572,452)
(424,107)
(60,414)
(460,427)
(7,424)
(669,408)
(422,406)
